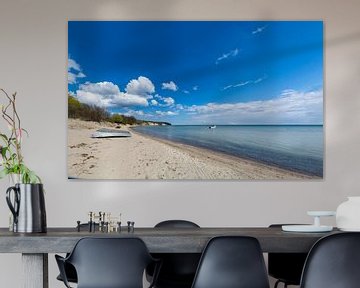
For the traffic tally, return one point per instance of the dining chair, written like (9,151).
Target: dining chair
(333,262)
(286,267)
(70,271)
(178,269)
(232,262)
(108,263)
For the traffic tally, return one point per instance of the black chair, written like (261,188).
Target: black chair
(232,262)
(333,262)
(69,269)
(70,273)
(178,269)
(108,263)
(286,267)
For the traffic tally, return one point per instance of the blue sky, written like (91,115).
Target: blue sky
(202,72)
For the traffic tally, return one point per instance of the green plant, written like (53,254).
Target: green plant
(11,159)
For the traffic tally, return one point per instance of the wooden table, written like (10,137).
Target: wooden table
(35,247)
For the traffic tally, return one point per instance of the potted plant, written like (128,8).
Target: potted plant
(26,197)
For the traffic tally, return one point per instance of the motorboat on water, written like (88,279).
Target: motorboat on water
(212,127)
(110,133)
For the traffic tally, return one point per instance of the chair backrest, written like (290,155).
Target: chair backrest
(286,267)
(110,262)
(178,269)
(232,262)
(333,262)
(176,224)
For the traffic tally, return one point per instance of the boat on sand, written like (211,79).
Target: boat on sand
(110,133)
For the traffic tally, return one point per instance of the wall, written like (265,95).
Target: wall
(33,59)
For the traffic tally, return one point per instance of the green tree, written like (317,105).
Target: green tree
(117,118)
(74,107)
(86,112)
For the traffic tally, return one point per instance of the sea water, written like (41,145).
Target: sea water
(292,147)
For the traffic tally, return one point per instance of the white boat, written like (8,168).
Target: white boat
(110,133)
(212,127)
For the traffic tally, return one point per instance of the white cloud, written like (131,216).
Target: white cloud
(228,87)
(290,107)
(243,83)
(195,88)
(259,30)
(167,101)
(71,78)
(256,81)
(72,93)
(154,102)
(126,99)
(180,107)
(141,86)
(186,91)
(74,71)
(170,86)
(137,113)
(232,53)
(107,94)
(105,89)
(166,113)
(72,64)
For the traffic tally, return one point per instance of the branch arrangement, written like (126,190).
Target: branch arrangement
(11,159)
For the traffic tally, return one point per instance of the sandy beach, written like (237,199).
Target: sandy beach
(143,157)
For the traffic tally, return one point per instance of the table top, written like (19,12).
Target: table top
(158,240)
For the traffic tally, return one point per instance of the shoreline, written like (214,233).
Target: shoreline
(143,157)
(224,154)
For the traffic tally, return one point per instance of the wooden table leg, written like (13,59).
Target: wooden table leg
(35,270)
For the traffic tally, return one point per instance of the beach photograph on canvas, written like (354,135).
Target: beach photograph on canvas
(195,100)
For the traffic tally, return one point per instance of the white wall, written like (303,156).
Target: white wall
(33,59)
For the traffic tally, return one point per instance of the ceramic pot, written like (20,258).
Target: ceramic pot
(348,215)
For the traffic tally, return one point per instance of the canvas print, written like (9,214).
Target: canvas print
(195,100)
